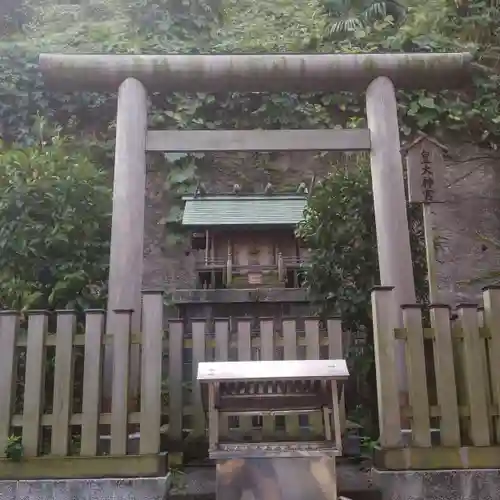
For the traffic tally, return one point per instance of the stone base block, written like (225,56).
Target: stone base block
(154,488)
(311,478)
(471,484)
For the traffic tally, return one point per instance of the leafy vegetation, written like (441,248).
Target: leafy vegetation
(54,227)
(354,15)
(338,228)
(14,449)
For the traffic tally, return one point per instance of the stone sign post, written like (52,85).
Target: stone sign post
(425,175)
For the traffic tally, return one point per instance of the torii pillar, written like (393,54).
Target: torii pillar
(377,74)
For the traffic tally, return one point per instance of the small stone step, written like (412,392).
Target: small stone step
(354,481)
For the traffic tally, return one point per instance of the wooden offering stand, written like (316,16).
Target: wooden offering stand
(298,470)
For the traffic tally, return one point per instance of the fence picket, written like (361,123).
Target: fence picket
(417,376)
(267,354)
(445,375)
(480,317)
(474,376)
(222,354)
(199,351)
(244,354)
(9,325)
(484,350)
(92,375)
(175,382)
(292,426)
(491,300)
(385,361)
(151,372)
(336,351)
(63,382)
(312,352)
(33,392)
(120,328)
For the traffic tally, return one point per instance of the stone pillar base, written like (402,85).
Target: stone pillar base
(471,484)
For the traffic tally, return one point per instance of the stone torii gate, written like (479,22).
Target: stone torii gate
(133,76)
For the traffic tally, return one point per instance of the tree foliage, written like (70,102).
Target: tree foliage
(339,230)
(54,227)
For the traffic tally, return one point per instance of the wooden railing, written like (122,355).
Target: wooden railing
(453,384)
(232,270)
(51,387)
(294,261)
(211,263)
(217,262)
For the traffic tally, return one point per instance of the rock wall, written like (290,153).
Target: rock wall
(464,224)
(471,213)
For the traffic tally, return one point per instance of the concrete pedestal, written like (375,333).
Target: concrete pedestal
(473,484)
(303,478)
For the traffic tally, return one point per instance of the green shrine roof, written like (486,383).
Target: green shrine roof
(244,210)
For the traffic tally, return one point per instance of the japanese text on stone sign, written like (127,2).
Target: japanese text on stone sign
(427,176)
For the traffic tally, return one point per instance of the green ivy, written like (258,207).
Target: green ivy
(181,180)
(187,26)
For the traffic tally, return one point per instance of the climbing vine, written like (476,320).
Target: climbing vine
(189,26)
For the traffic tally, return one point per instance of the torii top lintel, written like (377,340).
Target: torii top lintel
(256,73)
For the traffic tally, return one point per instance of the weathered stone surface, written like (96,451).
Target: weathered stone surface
(87,489)
(200,481)
(255,72)
(389,201)
(438,485)
(8,490)
(472,212)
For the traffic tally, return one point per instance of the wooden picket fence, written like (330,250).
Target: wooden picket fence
(52,392)
(453,384)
